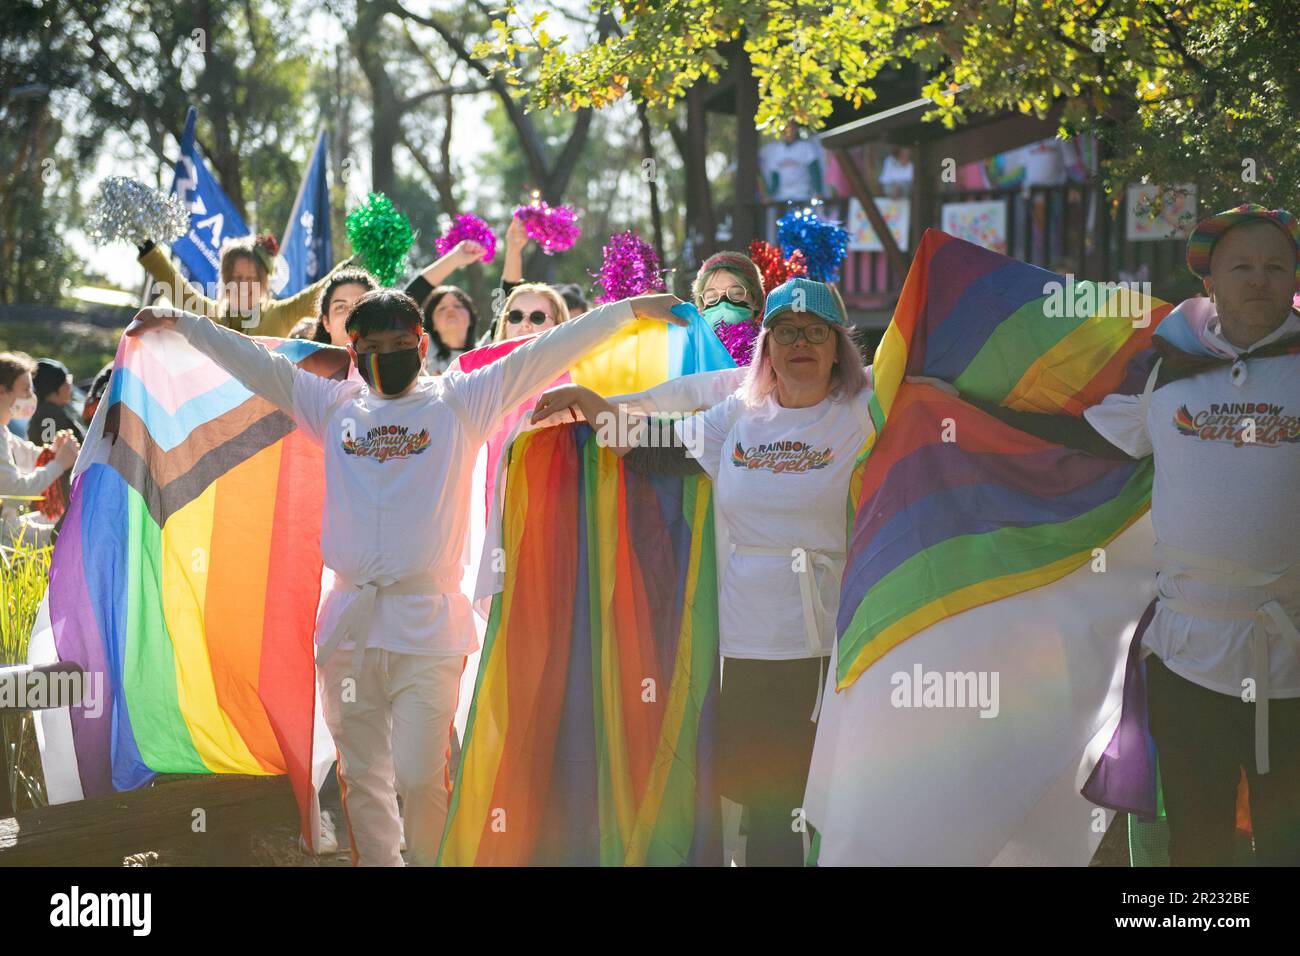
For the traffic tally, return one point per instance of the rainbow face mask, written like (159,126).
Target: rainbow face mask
(389,373)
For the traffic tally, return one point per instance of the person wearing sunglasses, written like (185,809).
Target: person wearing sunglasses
(530,308)
(780,451)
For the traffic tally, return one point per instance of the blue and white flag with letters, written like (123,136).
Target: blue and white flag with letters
(213,217)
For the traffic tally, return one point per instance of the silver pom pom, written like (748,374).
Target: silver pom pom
(128,209)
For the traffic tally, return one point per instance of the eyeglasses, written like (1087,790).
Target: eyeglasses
(735,293)
(537,317)
(788,334)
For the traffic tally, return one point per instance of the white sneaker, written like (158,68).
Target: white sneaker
(329,841)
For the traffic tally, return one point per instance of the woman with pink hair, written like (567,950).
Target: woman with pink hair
(780,451)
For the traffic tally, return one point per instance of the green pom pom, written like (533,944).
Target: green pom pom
(381,236)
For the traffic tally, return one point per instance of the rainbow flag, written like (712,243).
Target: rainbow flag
(643,354)
(954,507)
(980,645)
(589,739)
(187,577)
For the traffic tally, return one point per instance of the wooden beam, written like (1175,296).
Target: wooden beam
(862,192)
(745,222)
(924,160)
(102,831)
(981,140)
(700,224)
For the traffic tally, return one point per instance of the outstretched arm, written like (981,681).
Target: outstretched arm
(686,393)
(182,293)
(488,392)
(266,373)
(621,431)
(1077,433)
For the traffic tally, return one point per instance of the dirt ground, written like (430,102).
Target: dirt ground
(278,846)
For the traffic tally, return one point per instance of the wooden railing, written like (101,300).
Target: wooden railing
(1075,228)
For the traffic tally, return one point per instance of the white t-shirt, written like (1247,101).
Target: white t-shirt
(398,471)
(1218,496)
(790,162)
(781,483)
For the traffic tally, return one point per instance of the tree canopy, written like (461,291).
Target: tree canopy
(1203,91)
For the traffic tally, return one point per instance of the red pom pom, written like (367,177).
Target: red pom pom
(269,243)
(774,267)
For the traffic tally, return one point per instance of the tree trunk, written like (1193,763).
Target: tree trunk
(224,155)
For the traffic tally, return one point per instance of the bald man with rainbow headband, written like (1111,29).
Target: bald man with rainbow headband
(399,455)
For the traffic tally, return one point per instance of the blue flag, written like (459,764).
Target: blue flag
(213,217)
(306,250)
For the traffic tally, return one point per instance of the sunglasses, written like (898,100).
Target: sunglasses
(537,317)
(787,334)
(735,293)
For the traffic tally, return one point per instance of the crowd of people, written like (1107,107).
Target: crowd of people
(396,620)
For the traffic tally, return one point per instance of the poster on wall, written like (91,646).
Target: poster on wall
(1159,212)
(983,223)
(897,214)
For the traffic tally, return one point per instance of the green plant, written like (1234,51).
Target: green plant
(24,576)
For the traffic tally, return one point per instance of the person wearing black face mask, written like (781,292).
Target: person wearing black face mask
(399,456)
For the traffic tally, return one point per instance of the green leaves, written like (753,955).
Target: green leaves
(1131,70)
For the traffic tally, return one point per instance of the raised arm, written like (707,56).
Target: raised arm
(163,271)
(462,254)
(512,270)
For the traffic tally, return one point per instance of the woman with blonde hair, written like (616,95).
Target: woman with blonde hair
(530,307)
(244,302)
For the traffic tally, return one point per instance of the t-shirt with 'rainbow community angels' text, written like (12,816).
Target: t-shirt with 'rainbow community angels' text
(781,481)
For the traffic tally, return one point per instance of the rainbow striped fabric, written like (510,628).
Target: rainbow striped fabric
(590,738)
(643,354)
(188,573)
(953,508)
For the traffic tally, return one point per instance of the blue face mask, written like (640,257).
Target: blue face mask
(728,313)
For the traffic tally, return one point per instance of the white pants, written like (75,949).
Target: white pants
(392,725)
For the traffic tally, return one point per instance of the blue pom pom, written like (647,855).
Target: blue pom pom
(823,244)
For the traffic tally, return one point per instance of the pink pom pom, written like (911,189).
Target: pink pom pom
(738,340)
(631,268)
(554,228)
(468,226)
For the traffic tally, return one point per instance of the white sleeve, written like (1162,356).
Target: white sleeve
(1121,420)
(25,453)
(17,477)
(703,434)
(684,394)
(257,368)
(314,401)
(488,392)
